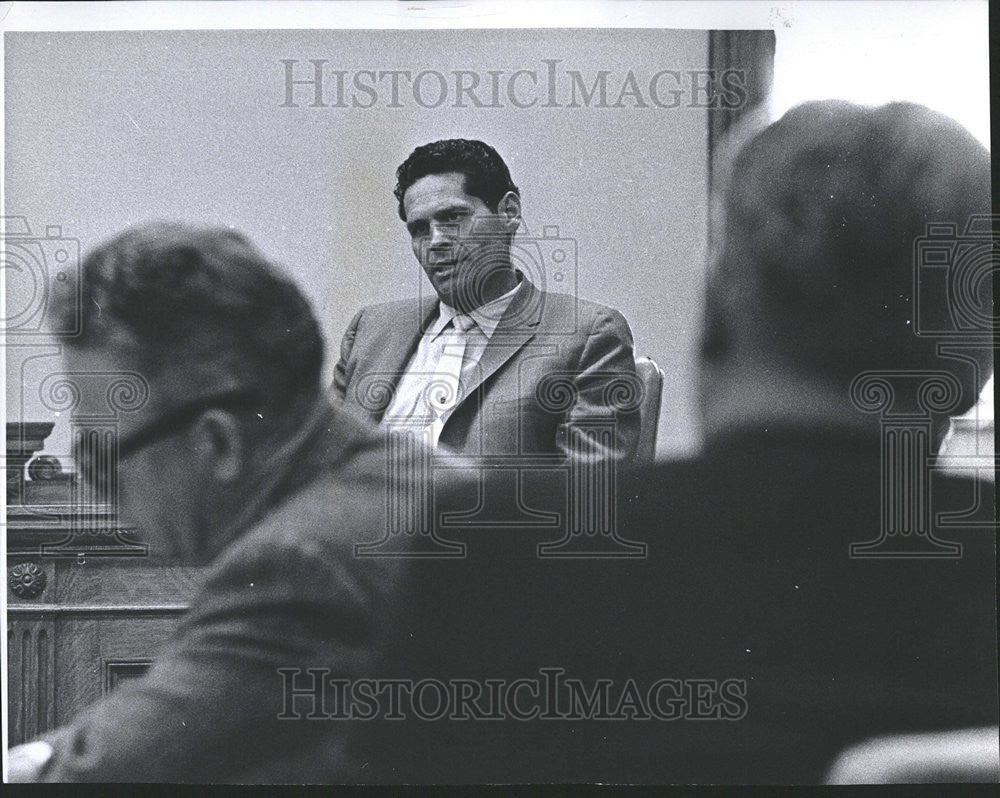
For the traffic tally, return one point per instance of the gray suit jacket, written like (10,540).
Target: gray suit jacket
(288,592)
(557,377)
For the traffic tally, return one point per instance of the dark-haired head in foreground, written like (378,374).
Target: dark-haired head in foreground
(814,282)
(230,353)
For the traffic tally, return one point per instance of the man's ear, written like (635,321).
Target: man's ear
(220,446)
(509,210)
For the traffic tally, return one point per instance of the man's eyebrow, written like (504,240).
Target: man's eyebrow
(458,206)
(439,212)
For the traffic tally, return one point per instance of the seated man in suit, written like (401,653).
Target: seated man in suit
(237,462)
(496,365)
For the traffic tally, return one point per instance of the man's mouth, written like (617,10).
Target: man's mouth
(441,259)
(439,267)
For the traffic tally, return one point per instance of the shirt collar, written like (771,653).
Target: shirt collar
(487,317)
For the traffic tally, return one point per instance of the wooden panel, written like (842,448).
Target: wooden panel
(86,609)
(117,671)
(41,587)
(97,621)
(103,581)
(125,581)
(87,644)
(31,678)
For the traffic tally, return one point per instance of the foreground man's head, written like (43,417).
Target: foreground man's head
(231,354)
(816,278)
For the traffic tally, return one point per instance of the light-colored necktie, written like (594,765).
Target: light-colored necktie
(445,388)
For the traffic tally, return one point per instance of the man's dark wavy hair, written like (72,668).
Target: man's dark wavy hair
(200,303)
(486,175)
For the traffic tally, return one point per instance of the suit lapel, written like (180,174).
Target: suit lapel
(399,343)
(516,328)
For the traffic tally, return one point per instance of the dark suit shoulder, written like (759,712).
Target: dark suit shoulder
(321,522)
(597,309)
(302,549)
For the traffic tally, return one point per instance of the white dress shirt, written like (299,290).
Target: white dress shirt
(412,402)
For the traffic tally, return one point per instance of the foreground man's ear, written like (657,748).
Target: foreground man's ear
(219,439)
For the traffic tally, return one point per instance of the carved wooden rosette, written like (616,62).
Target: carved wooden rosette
(26,580)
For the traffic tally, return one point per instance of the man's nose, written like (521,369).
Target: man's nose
(442,235)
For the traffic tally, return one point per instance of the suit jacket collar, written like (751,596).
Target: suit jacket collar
(328,438)
(487,317)
(517,326)
(389,361)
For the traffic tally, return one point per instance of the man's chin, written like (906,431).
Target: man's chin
(445,289)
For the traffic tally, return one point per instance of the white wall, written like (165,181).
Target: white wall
(873,53)
(105,130)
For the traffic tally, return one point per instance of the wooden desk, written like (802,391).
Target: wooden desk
(85,609)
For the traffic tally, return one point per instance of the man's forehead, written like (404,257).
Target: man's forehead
(433,191)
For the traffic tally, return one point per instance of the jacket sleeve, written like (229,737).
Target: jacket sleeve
(342,372)
(607,392)
(212,707)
